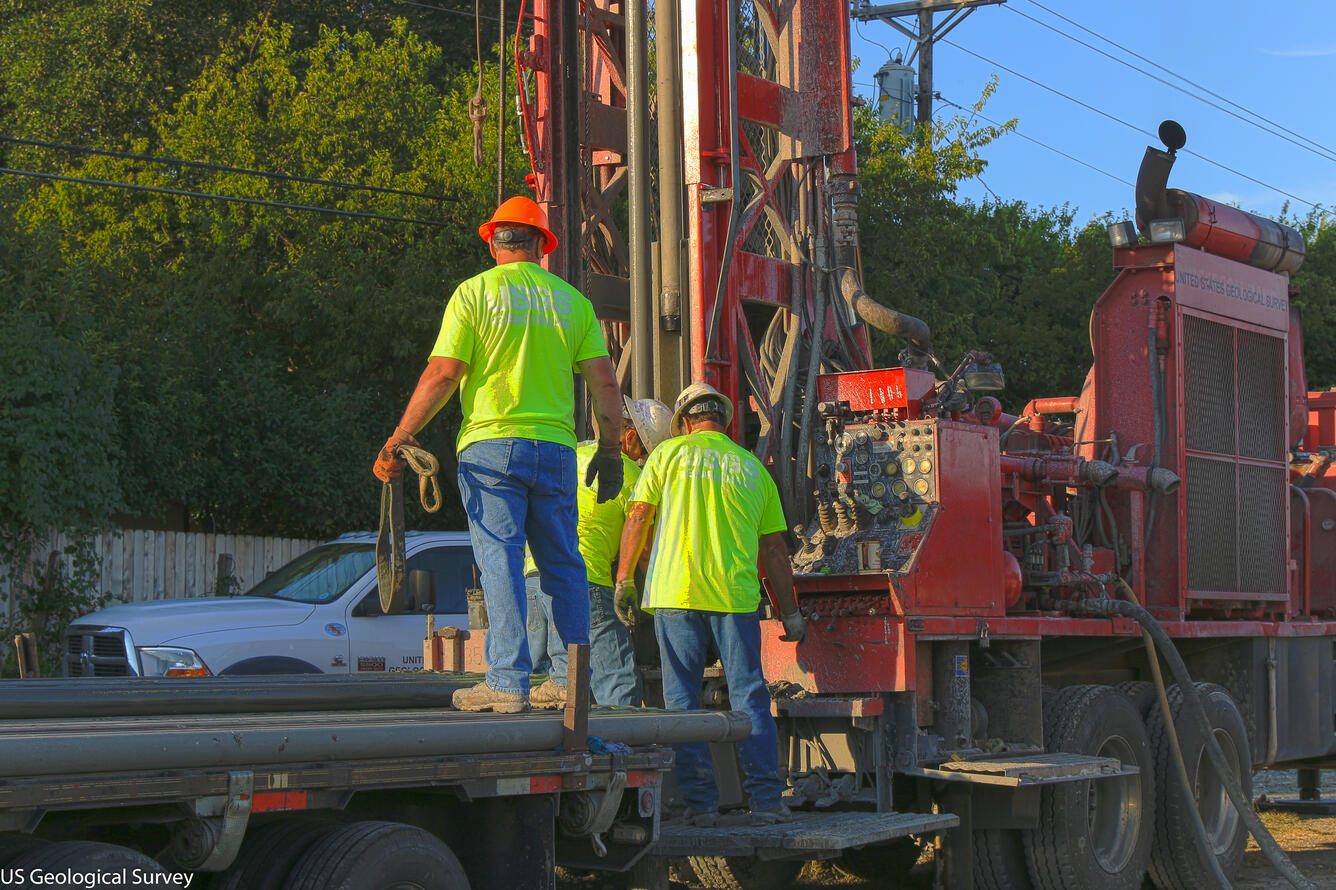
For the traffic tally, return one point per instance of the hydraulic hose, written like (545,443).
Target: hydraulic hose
(1180,768)
(1192,704)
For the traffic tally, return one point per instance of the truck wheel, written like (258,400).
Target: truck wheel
(885,864)
(1176,862)
(269,852)
(1095,834)
(999,860)
(1143,695)
(86,856)
(744,872)
(14,844)
(378,856)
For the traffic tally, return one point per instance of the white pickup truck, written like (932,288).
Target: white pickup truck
(320,613)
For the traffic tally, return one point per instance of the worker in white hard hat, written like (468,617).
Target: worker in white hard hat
(613,679)
(717,508)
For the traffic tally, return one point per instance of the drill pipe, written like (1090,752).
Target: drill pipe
(150,696)
(47,747)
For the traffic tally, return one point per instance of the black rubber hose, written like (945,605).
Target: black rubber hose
(1171,731)
(1192,703)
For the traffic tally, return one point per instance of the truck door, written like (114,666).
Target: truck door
(379,642)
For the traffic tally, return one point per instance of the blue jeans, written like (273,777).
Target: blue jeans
(684,635)
(516,490)
(612,668)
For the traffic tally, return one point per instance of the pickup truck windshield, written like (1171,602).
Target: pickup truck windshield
(318,576)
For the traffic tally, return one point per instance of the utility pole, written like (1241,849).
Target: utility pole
(929,32)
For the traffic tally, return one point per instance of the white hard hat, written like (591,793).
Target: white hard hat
(651,419)
(699,392)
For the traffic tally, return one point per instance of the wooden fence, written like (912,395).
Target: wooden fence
(152,565)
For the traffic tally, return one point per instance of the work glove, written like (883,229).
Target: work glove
(624,597)
(795,627)
(388,465)
(606,466)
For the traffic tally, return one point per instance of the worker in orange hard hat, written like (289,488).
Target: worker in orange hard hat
(519,210)
(510,339)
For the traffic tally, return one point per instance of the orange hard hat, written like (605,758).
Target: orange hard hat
(519,209)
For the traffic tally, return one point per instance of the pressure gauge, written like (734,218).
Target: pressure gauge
(908,465)
(925,466)
(921,486)
(878,490)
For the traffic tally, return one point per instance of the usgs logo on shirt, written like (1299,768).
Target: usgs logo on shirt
(529,304)
(722,466)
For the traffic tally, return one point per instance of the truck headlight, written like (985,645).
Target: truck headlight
(167,661)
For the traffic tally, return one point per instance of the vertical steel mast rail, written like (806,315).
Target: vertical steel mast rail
(766,168)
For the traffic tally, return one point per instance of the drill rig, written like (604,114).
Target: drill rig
(963,671)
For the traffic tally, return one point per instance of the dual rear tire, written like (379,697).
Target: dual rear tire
(1107,834)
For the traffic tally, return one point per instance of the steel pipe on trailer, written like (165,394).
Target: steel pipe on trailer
(148,696)
(53,747)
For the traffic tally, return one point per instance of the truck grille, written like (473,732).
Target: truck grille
(98,652)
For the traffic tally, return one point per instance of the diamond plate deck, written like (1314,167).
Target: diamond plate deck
(805,834)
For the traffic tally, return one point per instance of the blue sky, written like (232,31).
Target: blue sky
(1277,61)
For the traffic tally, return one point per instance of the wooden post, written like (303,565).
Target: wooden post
(575,722)
(429,646)
(452,646)
(26,644)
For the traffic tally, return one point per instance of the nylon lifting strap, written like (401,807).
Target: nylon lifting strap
(391,571)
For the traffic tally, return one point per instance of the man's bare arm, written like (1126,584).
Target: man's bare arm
(635,534)
(601,378)
(779,571)
(434,388)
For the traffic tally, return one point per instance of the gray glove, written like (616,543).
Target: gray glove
(795,627)
(607,468)
(624,597)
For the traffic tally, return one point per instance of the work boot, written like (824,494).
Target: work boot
(550,696)
(772,815)
(484,698)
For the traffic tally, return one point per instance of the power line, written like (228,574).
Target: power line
(1045,145)
(1186,80)
(217,168)
(452,11)
(1134,127)
(1324,154)
(181,193)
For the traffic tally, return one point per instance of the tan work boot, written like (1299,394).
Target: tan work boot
(549,696)
(484,698)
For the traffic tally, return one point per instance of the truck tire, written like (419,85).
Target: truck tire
(1143,695)
(999,860)
(885,864)
(269,853)
(1176,862)
(1094,834)
(86,856)
(378,856)
(744,872)
(14,844)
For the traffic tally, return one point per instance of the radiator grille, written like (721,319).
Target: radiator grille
(1208,374)
(1262,493)
(1261,396)
(1213,559)
(1234,383)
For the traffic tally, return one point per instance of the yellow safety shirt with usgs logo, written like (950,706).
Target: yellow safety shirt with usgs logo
(714,501)
(523,332)
(600,525)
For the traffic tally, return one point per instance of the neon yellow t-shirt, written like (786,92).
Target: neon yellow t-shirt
(599,525)
(714,501)
(523,332)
